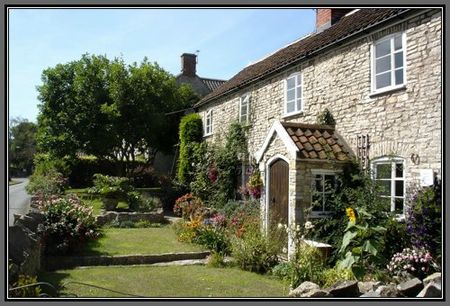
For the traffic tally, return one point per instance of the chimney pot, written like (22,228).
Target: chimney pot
(188,63)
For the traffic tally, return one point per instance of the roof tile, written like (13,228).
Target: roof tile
(315,145)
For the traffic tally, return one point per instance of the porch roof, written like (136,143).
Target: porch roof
(316,141)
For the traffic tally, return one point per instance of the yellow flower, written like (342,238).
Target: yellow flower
(351,214)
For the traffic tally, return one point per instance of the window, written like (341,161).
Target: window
(293,94)
(388,62)
(209,123)
(389,174)
(244,109)
(323,185)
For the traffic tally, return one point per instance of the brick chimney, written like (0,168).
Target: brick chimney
(188,63)
(325,18)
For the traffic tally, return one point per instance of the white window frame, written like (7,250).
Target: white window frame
(323,172)
(209,126)
(393,161)
(392,69)
(296,111)
(244,101)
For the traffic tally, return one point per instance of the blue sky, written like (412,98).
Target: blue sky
(228,40)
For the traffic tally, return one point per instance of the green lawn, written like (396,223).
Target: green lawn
(169,281)
(126,241)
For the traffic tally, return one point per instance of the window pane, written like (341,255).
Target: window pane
(290,95)
(383,171)
(299,104)
(290,107)
(398,59)
(383,48)
(385,188)
(329,182)
(291,83)
(399,170)
(318,186)
(399,76)
(299,92)
(398,42)
(399,188)
(399,205)
(383,80)
(383,64)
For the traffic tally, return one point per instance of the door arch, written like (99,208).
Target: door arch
(278,200)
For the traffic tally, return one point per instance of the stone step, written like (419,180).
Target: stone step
(51,263)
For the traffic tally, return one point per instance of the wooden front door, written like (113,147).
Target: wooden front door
(278,192)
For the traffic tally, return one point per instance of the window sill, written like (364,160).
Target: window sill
(292,114)
(387,90)
(207,135)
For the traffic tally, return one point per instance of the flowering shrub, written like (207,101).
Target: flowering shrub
(255,184)
(189,207)
(424,222)
(219,220)
(187,231)
(67,224)
(416,262)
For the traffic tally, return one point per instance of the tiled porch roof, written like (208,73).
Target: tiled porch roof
(316,141)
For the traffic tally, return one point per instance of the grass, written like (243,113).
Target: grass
(125,241)
(169,281)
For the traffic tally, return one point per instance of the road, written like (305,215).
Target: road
(19,200)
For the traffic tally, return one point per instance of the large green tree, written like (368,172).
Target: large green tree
(22,144)
(109,109)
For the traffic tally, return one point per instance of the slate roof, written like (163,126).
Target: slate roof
(318,142)
(212,84)
(358,22)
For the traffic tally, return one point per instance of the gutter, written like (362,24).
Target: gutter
(336,42)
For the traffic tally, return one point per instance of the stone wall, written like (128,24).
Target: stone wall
(110,216)
(24,246)
(402,122)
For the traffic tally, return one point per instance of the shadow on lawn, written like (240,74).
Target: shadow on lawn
(56,280)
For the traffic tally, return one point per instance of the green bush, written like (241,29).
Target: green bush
(283,271)
(254,250)
(32,291)
(307,265)
(331,276)
(215,260)
(50,183)
(68,224)
(325,117)
(213,238)
(191,132)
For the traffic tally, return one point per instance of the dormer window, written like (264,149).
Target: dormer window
(244,109)
(209,122)
(293,94)
(388,63)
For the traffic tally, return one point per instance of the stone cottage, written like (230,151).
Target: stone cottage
(378,71)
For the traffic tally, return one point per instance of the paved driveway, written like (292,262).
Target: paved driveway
(19,199)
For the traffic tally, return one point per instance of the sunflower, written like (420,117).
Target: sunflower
(351,214)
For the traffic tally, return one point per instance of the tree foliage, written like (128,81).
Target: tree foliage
(191,132)
(108,109)
(22,144)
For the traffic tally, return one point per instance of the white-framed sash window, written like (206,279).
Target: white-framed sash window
(389,62)
(293,94)
(244,109)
